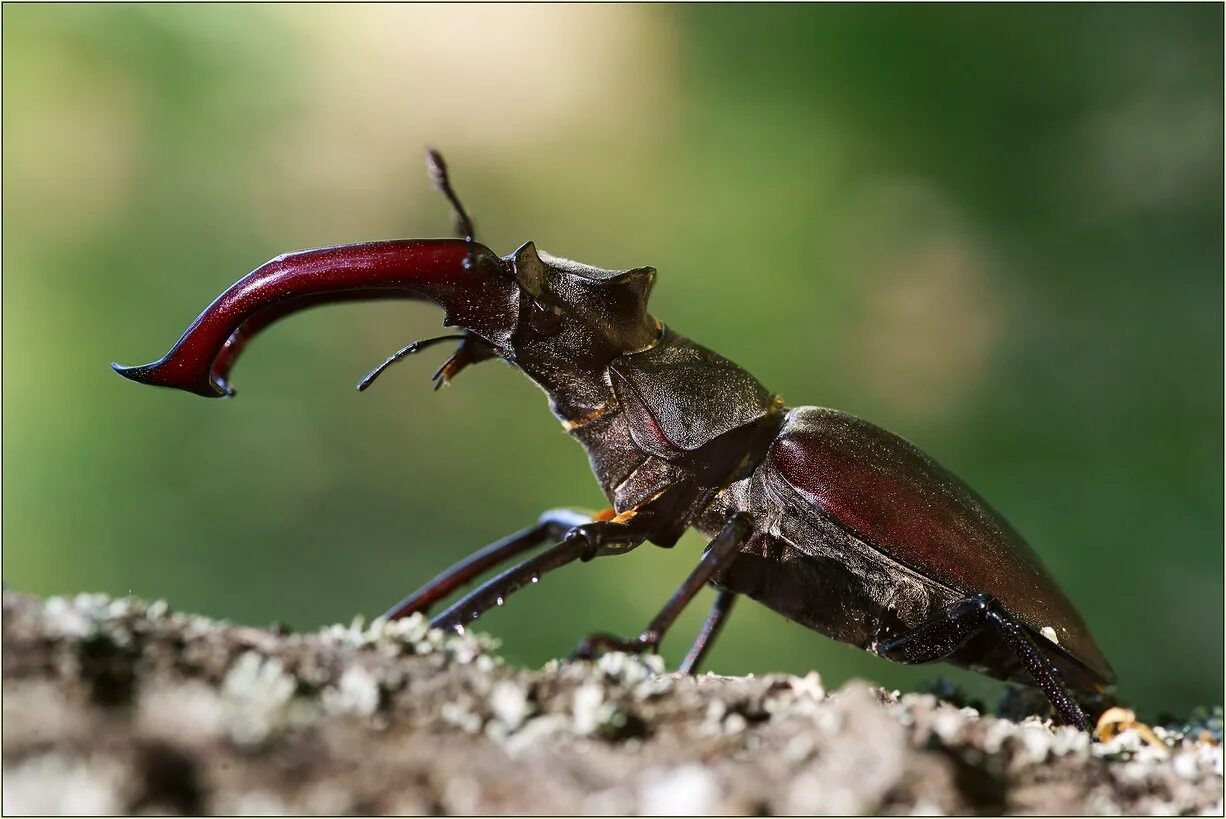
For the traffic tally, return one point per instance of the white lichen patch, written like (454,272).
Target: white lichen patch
(467,647)
(688,790)
(157,610)
(618,666)
(509,703)
(1033,744)
(462,716)
(357,692)
(64,619)
(655,686)
(720,720)
(589,710)
(53,785)
(1128,744)
(1068,740)
(713,718)
(257,694)
(809,686)
(949,724)
(533,733)
(796,696)
(410,635)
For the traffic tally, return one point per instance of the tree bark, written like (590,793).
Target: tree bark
(117,706)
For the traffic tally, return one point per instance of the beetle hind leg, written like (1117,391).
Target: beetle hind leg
(941,636)
(725,545)
(937,638)
(711,628)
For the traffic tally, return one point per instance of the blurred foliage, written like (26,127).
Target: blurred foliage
(996,230)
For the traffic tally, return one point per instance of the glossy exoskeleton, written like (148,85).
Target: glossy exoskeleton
(829,520)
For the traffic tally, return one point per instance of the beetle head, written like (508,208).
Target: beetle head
(559,321)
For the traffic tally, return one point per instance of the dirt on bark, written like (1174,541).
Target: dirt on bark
(118,706)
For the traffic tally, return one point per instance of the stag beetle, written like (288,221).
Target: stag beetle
(831,521)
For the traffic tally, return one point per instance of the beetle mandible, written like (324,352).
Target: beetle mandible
(829,520)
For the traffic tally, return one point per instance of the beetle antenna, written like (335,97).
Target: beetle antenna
(437,169)
(403,352)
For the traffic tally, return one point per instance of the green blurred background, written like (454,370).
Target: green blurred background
(994,230)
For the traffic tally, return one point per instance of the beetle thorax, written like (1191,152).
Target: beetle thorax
(574,320)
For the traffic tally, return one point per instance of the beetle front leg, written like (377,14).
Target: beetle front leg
(582,542)
(722,549)
(552,525)
(937,638)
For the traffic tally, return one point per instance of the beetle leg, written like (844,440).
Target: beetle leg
(711,628)
(551,526)
(1044,674)
(582,542)
(725,545)
(944,634)
(939,637)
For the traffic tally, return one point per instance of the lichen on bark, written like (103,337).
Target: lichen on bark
(118,706)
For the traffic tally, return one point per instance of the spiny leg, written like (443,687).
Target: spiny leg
(944,634)
(581,542)
(725,545)
(551,526)
(937,638)
(711,628)
(1044,674)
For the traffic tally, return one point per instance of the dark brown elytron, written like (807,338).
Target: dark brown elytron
(834,523)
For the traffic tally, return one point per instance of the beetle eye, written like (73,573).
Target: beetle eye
(545,320)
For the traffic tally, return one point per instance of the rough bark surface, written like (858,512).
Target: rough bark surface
(117,706)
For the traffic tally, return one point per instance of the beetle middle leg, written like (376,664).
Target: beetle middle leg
(725,545)
(937,638)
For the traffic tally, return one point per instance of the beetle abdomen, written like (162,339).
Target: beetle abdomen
(896,499)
